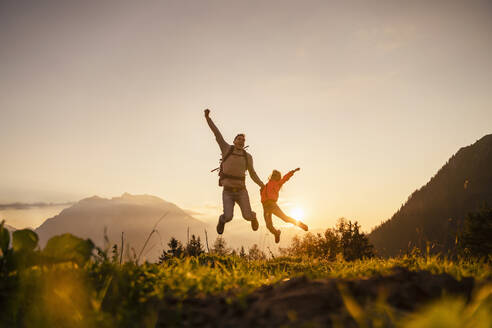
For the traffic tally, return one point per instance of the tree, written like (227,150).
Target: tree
(344,239)
(175,247)
(353,244)
(220,246)
(175,250)
(242,252)
(194,246)
(476,237)
(255,253)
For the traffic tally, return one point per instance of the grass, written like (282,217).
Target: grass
(106,294)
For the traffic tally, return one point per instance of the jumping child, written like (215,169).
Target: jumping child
(269,197)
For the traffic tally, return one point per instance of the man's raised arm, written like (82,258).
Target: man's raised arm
(224,146)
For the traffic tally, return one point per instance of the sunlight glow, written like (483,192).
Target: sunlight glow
(297,213)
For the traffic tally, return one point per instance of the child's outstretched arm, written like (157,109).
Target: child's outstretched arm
(288,176)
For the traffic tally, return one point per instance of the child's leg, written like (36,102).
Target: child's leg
(268,221)
(278,212)
(267,213)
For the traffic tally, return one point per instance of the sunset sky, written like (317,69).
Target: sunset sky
(369,98)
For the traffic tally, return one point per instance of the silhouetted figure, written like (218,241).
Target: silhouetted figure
(235,161)
(269,197)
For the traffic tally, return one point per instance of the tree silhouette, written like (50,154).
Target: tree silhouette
(220,246)
(194,246)
(255,253)
(353,244)
(476,238)
(242,252)
(346,239)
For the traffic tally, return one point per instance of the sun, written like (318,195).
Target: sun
(297,213)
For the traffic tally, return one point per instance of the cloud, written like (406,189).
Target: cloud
(206,210)
(192,212)
(211,206)
(388,38)
(24,206)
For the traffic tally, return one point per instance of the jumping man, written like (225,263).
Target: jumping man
(232,175)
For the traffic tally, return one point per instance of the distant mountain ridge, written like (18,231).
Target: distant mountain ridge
(134,215)
(435,212)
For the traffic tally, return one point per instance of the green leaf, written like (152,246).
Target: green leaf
(24,239)
(4,238)
(68,247)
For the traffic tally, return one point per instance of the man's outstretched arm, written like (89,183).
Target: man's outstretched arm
(252,172)
(224,146)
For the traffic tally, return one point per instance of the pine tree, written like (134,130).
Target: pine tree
(255,253)
(175,248)
(476,238)
(164,256)
(194,247)
(242,252)
(220,246)
(353,244)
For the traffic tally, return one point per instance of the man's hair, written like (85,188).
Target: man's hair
(240,135)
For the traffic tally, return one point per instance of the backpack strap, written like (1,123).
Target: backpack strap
(229,153)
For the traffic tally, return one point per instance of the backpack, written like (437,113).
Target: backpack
(223,175)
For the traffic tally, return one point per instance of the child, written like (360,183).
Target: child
(269,196)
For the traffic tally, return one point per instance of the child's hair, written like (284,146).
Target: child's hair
(276,175)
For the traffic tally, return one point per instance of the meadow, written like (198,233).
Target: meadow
(104,293)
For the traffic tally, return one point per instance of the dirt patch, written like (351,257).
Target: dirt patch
(323,303)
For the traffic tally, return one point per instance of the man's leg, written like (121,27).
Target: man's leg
(244,204)
(228,208)
(278,212)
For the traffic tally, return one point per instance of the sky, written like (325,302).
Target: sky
(368,98)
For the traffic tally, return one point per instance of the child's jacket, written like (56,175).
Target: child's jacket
(270,192)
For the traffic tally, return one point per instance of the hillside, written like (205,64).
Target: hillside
(435,212)
(135,215)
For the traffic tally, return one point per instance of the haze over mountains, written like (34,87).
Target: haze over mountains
(436,211)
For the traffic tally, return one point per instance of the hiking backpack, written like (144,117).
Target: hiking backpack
(223,175)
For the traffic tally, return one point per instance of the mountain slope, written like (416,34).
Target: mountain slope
(434,212)
(135,215)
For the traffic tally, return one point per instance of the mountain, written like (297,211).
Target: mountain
(134,215)
(434,213)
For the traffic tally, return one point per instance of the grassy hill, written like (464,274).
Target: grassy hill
(70,283)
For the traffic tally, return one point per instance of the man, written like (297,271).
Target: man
(232,176)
